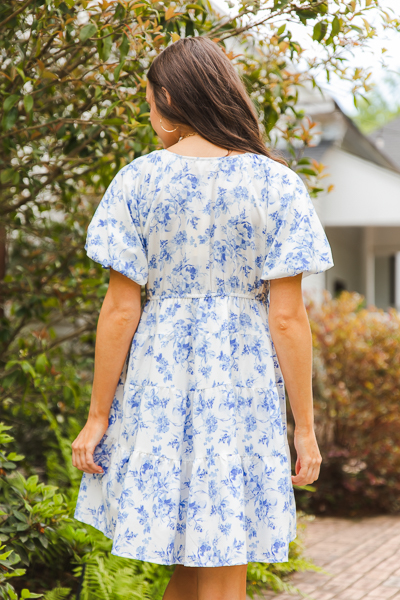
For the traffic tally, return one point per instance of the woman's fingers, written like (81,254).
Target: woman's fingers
(90,464)
(78,462)
(84,461)
(308,458)
(307,471)
(301,477)
(84,445)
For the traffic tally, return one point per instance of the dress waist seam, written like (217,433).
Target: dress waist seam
(190,296)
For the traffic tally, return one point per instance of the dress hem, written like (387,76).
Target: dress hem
(158,561)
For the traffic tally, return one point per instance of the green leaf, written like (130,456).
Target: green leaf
(124,47)
(307,172)
(25,593)
(28,103)
(15,456)
(335,26)
(20,516)
(281,30)
(41,364)
(117,70)
(21,73)
(9,102)
(270,117)
(10,118)
(27,368)
(320,30)
(106,47)
(29,544)
(32,481)
(305,14)
(322,9)
(7,175)
(87,31)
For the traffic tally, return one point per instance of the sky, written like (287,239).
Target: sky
(372,58)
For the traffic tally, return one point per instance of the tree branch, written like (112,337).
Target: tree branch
(14,14)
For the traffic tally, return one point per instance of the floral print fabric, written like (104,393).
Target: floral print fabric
(195,458)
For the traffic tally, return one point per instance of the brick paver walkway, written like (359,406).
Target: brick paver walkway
(361,556)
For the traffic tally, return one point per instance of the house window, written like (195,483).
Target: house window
(385,287)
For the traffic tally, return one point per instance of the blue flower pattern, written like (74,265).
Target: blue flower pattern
(196,461)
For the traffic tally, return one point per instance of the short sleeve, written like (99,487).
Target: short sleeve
(113,237)
(296,240)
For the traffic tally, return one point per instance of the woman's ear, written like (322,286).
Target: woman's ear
(167,95)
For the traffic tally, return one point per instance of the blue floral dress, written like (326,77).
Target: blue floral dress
(195,458)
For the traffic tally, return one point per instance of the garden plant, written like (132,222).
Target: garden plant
(357,401)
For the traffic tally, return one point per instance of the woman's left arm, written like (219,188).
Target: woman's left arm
(118,320)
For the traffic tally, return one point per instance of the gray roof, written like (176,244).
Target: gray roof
(360,145)
(387,140)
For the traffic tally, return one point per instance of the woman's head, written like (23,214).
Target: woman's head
(193,85)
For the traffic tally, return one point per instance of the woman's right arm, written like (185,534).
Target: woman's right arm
(291,335)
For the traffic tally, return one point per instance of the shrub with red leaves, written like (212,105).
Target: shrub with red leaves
(357,407)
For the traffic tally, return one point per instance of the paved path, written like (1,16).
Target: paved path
(361,556)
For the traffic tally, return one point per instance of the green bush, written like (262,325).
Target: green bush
(357,407)
(38,535)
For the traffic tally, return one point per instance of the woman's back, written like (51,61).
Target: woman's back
(196,226)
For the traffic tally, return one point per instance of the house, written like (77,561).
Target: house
(361,215)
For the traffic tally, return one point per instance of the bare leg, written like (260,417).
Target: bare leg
(222,583)
(182,585)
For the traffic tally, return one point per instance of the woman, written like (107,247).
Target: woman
(185,453)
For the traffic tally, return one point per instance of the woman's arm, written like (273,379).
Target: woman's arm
(291,334)
(119,318)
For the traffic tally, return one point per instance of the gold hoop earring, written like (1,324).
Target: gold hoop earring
(167,130)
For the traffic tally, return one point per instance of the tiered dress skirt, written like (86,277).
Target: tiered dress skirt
(195,458)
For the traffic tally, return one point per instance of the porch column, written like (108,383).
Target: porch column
(369,265)
(397,281)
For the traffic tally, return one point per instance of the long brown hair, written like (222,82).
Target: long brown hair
(207,94)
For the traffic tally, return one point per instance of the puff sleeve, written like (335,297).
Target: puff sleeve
(296,240)
(114,238)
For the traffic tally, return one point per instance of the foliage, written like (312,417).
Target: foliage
(108,577)
(357,401)
(39,537)
(72,113)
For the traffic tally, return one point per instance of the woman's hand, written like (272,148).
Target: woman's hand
(308,457)
(85,444)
